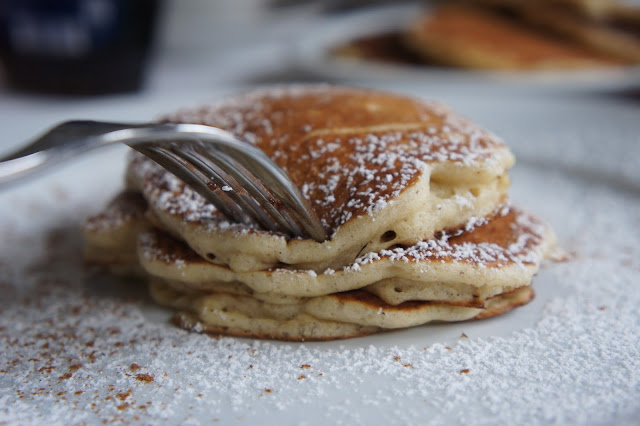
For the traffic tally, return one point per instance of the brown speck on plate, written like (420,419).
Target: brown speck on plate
(144,378)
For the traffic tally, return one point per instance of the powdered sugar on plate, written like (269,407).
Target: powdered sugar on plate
(77,346)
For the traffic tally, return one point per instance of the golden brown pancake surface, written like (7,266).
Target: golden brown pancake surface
(349,150)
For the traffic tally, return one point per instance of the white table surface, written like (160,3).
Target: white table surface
(70,336)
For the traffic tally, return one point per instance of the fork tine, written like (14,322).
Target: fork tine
(265,199)
(197,181)
(220,176)
(293,203)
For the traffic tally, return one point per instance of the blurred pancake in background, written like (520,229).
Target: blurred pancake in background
(475,38)
(507,35)
(609,31)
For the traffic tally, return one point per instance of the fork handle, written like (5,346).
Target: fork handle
(65,134)
(62,142)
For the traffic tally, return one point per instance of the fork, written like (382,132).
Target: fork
(240,180)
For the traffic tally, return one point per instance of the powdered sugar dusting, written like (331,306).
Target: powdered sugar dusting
(177,254)
(76,347)
(526,249)
(128,206)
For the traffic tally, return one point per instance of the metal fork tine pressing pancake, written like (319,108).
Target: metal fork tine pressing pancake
(192,176)
(211,169)
(290,203)
(279,215)
(255,202)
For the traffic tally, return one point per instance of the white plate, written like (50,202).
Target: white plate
(313,55)
(78,346)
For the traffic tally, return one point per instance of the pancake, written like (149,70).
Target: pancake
(603,10)
(611,11)
(379,170)
(111,236)
(471,265)
(337,316)
(605,34)
(387,47)
(469,37)
(232,315)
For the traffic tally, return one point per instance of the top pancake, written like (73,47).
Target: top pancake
(368,162)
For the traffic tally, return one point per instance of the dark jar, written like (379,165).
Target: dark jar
(76,47)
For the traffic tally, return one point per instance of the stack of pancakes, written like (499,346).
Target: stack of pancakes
(519,34)
(413,196)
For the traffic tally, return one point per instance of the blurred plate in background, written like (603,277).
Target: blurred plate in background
(316,54)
